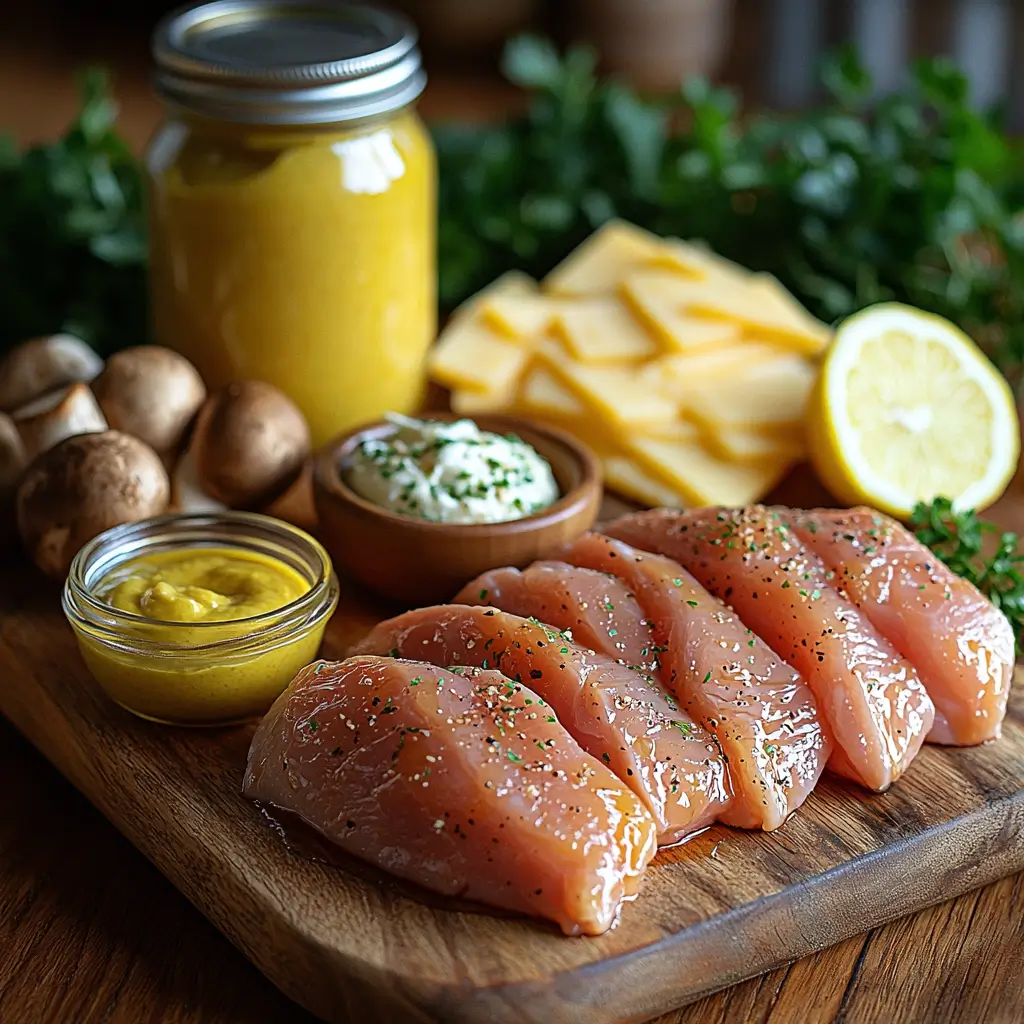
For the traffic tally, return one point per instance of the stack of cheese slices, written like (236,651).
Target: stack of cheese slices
(688,373)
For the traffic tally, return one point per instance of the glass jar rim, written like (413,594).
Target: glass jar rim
(244,530)
(343,61)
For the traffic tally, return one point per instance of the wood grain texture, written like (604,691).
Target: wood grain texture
(723,907)
(100,937)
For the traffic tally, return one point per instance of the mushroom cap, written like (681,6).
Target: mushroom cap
(41,365)
(250,444)
(83,486)
(151,393)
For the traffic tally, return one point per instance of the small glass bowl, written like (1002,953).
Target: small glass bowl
(199,673)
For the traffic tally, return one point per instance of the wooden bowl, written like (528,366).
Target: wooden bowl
(416,562)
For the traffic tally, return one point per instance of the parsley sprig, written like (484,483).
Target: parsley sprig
(72,232)
(958,538)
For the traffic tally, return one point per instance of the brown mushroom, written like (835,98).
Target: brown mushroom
(250,444)
(42,365)
(151,393)
(12,462)
(84,486)
(65,413)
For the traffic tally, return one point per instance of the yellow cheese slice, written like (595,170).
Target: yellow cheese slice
(701,477)
(598,265)
(657,298)
(813,336)
(745,444)
(681,374)
(551,351)
(518,315)
(543,394)
(467,402)
(617,393)
(696,260)
(603,331)
(774,392)
(757,307)
(624,476)
(512,282)
(668,430)
(470,355)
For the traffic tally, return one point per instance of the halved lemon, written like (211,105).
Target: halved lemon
(908,408)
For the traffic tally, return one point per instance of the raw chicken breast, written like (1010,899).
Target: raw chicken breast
(594,607)
(616,715)
(458,784)
(960,644)
(874,705)
(761,712)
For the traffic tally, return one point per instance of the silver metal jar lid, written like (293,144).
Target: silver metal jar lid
(287,61)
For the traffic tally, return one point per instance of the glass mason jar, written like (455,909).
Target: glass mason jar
(292,196)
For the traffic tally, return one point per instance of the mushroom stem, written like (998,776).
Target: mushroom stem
(186,493)
(54,417)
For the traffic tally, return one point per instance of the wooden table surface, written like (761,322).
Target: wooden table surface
(91,932)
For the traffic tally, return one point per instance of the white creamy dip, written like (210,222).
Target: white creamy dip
(452,473)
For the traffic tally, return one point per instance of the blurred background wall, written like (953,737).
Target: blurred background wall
(768,48)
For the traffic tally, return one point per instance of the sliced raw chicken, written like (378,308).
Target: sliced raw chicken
(596,609)
(618,716)
(874,705)
(761,712)
(458,784)
(959,642)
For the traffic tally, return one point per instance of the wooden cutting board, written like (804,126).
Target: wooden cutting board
(352,946)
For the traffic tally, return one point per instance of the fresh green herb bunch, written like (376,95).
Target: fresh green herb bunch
(914,198)
(958,538)
(72,233)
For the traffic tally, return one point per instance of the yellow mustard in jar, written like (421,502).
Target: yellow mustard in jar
(201,585)
(192,635)
(293,206)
